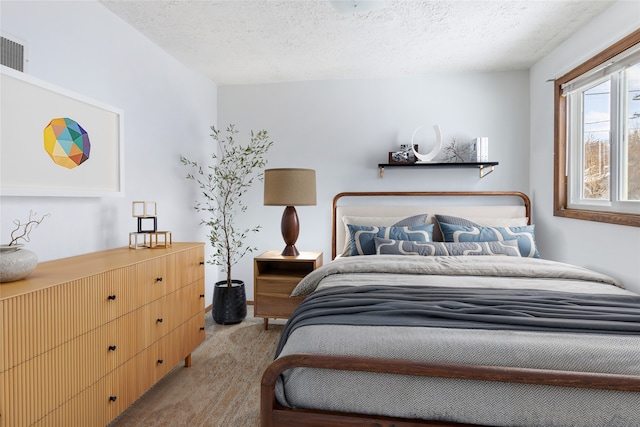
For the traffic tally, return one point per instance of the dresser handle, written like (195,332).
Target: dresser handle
(112,348)
(202,328)
(201,262)
(111,297)
(160,361)
(112,398)
(159,320)
(158,279)
(201,295)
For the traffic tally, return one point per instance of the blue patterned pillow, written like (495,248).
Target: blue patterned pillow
(455,220)
(404,247)
(524,235)
(420,219)
(362,236)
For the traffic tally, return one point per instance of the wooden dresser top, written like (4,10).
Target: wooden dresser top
(55,272)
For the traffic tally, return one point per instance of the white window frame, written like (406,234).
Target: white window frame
(568,177)
(617,155)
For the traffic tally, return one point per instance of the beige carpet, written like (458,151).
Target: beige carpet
(222,386)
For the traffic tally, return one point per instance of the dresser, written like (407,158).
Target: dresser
(82,338)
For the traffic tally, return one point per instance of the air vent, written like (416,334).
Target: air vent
(13,54)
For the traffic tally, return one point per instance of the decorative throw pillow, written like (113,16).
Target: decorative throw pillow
(389,221)
(404,247)
(362,236)
(524,235)
(437,219)
(474,222)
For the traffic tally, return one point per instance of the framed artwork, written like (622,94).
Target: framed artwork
(54,142)
(404,156)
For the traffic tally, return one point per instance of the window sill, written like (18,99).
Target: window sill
(631,220)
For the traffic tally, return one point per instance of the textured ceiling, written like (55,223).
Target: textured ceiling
(247,41)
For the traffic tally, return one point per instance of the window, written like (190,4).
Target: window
(597,137)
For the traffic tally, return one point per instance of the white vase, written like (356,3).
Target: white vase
(16,263)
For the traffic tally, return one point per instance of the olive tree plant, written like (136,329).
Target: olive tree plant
(222,185)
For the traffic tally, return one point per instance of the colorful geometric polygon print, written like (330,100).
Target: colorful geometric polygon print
(66,142)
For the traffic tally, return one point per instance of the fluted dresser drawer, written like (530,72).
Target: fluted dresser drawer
(83,337)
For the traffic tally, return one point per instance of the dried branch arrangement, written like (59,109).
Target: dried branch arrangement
(25,228)
(456,153)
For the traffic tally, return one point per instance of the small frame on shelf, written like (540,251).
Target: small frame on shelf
(404,156)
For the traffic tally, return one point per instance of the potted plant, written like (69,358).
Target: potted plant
(222,186)
(16,263)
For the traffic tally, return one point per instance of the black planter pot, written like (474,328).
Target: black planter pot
(229,302)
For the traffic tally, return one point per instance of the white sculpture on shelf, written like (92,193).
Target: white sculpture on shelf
(426,158)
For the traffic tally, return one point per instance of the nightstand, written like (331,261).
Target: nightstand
(274,277)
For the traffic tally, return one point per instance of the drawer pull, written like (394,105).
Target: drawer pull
(112,398)
(158,279)
(202,328)
(112,348)
(159,320)
(201,262)
(201,295)
(160,361)
(111,297)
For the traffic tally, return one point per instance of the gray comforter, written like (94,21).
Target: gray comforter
(438,270)
(468,308)
(457,400)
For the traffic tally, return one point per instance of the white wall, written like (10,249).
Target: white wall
(611,249)
(83,47)
(340,128)
(344,128)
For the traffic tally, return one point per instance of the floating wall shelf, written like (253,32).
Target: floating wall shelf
(485,167)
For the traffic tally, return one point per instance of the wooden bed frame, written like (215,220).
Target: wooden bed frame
(274,415)
(417,195)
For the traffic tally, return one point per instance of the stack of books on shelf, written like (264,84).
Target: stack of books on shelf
(480,150)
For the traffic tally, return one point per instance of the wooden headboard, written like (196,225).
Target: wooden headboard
(470,204)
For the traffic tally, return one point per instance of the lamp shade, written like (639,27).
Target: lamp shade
(289,187)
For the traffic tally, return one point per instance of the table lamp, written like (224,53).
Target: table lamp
(290,187)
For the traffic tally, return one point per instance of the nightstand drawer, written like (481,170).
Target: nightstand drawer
(276,284)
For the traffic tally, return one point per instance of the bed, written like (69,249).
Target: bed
(402,330)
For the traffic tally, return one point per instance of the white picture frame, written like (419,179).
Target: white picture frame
(26,169)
